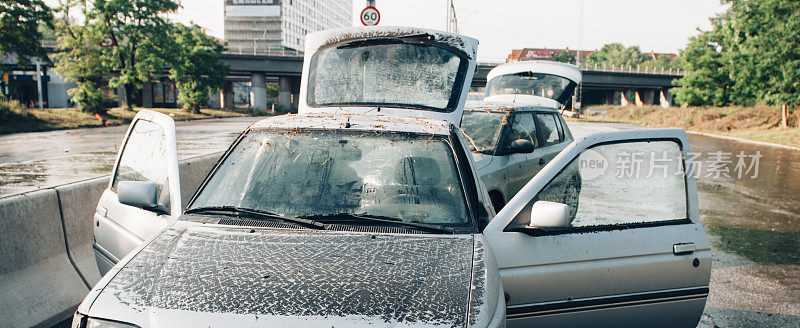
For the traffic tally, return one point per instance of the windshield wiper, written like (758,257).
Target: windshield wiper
(381,219)
(256,213)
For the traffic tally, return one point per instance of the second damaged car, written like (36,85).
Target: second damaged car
(365,210)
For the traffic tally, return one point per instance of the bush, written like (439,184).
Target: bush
(89,98)
(14,117)
(12,109)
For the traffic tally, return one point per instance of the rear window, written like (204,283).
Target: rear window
(386,73)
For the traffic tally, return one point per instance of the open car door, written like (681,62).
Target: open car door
(143,195)
(607,234)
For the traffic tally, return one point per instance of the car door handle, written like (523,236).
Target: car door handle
(683,248)
(541,161)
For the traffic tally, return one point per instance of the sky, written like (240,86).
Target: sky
(502,25)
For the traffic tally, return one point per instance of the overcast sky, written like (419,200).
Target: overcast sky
(502,25)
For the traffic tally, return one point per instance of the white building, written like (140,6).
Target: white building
(264,26)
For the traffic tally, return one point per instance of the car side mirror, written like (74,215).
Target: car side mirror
(522,146)
(141,194)
(546,214)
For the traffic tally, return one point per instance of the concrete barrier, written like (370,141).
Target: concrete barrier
(192,173)
(76,214)
(38,284)
(47,264)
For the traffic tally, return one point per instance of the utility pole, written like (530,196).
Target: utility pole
(452,20)
(39,83)
(578,95)
(447,15)
(580,35)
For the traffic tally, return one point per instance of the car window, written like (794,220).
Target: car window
(483,129)
(399,74)
(528,83)
(523,128)
(619,184)
(143,158)
(317,173)
(549,129)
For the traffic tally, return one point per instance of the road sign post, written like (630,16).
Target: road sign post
(370,16)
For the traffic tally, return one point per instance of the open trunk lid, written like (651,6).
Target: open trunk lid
(387,70)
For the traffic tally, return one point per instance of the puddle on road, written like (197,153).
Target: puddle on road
(31,175)
(753,226)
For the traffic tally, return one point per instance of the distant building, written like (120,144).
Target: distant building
(542,54)
(547,54)
(262,26)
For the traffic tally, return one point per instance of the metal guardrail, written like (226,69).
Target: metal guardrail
(265,51)
(616,69)
(637,70)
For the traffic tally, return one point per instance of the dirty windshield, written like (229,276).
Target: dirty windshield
(483,130)
(392,73)
(315,173)
(527,83)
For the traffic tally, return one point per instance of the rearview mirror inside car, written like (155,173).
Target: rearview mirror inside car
(141,194)
(546,214)
(522,146)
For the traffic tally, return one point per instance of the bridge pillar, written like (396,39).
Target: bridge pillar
(665,98)
(226,95)
(258,84)
(649,97)
(295,94)
(623,100)
(284,93)
(214,100)
(610,97)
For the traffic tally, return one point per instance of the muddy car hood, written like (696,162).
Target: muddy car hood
(222,276)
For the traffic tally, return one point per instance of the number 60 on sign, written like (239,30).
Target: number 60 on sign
(370,16)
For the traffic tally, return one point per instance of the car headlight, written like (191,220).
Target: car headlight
(99,323)
(82,321)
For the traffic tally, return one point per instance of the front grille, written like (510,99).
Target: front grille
(334,227)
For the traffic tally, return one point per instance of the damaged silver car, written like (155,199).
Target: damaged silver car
(365,210)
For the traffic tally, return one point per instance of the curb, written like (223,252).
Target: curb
(756,142)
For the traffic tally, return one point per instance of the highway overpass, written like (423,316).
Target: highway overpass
(609,85)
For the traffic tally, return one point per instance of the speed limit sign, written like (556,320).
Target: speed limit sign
(370,16)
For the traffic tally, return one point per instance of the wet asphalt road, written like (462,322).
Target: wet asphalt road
(29,161)
(752,223)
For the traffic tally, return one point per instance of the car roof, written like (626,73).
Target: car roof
(506,107)
(356,122)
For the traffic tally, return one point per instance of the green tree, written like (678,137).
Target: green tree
(660,62)
(272,90)
(765,56)
(140,31)
(617,55)
(751,55)
(19,28)
(195,66)
(708,81)
(565,57)
(80,57)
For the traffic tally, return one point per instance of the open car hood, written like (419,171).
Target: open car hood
(224,277)
(561,70)
(407,103)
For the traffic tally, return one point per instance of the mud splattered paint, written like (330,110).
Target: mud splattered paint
(411,279)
